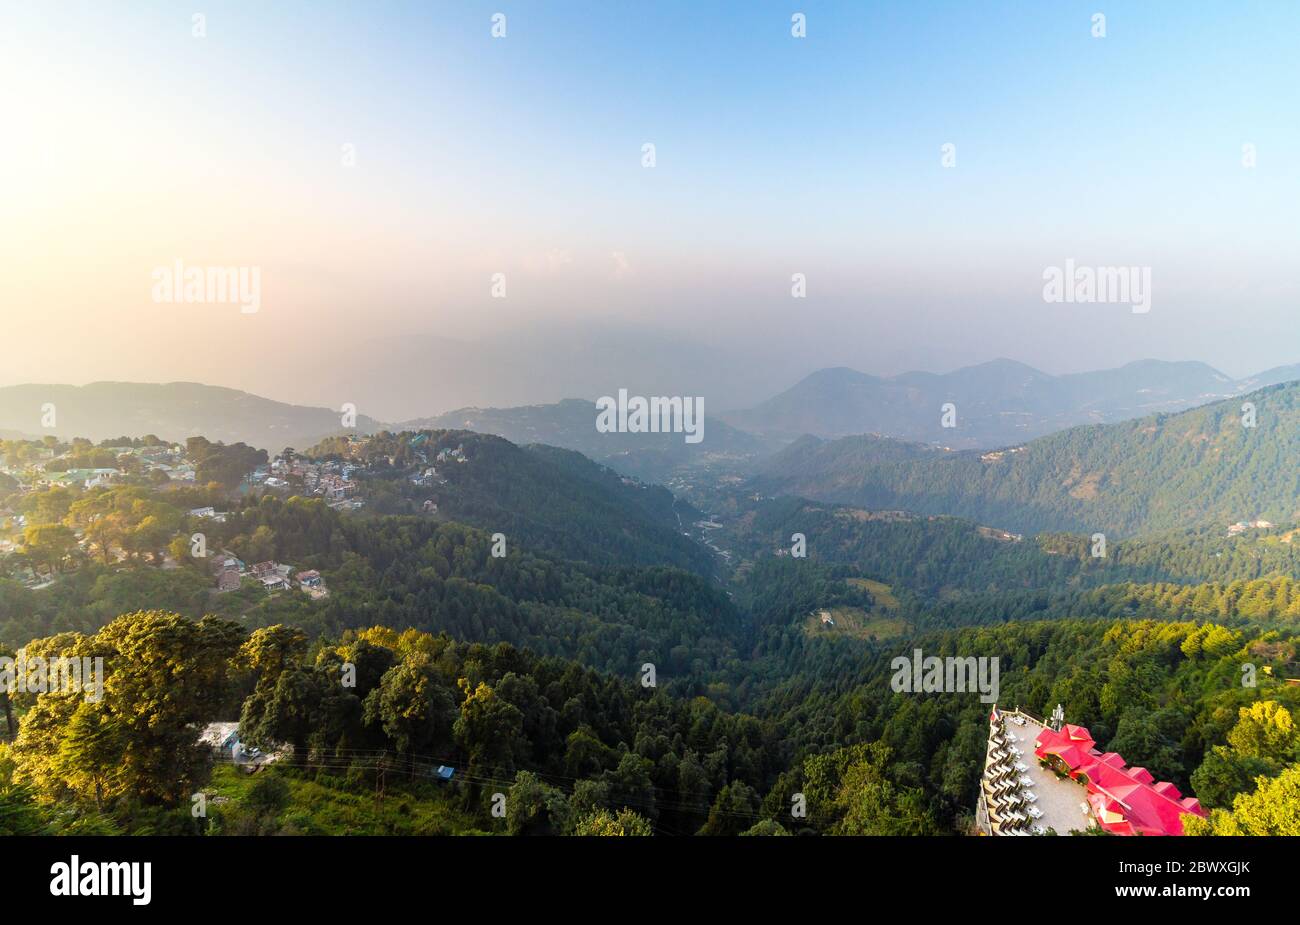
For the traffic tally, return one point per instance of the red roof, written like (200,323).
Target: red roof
(1077,734)
(1124,800)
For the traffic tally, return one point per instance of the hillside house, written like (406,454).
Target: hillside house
(310,579)
(274,582)
(221,738)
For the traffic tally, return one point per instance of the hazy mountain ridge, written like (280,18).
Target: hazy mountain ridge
(1159,472)
(997,403)
(571,424)
(170,410)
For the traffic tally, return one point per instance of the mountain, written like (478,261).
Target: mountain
(1159,472)
(997,403)
(176,410)
(544,499)
(571,424)
(1274,376)
(940,557)
(171,410)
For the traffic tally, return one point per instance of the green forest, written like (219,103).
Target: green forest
(1215,464)
(675,691)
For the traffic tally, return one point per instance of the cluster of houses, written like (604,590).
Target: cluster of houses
(427,474)
(1242,526)
(80,478)
(37,471)
(999,454)
(1004,536)
(456,455)
(272,576)
(36,474)
(330,480)
(427,477)
(335,480)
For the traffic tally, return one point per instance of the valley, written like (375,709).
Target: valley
(494,570)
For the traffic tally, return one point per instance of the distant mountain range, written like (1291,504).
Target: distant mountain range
(170,410)
(997,403)
(1160,472)
(176,410)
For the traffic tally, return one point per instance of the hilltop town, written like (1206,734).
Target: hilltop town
(132,500)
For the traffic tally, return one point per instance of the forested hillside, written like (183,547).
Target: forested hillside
(1170,692)
(938,556)
(1157,473)
(570,424)
(597,693)
(410,572)
(546,499)
(574,751)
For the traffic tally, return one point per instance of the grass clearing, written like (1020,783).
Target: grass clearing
(880,622)
(336,805)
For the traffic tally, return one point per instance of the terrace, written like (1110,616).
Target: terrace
(1026,790)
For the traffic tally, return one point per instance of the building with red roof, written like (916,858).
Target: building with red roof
(1124,801)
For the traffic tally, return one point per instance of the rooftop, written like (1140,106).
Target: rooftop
(1124,800)
(1062,802)
(1080,786)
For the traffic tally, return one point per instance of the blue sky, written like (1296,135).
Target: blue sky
(132,143)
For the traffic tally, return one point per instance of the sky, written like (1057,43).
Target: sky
(378,164)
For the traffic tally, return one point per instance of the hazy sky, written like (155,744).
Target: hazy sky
(126,143)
